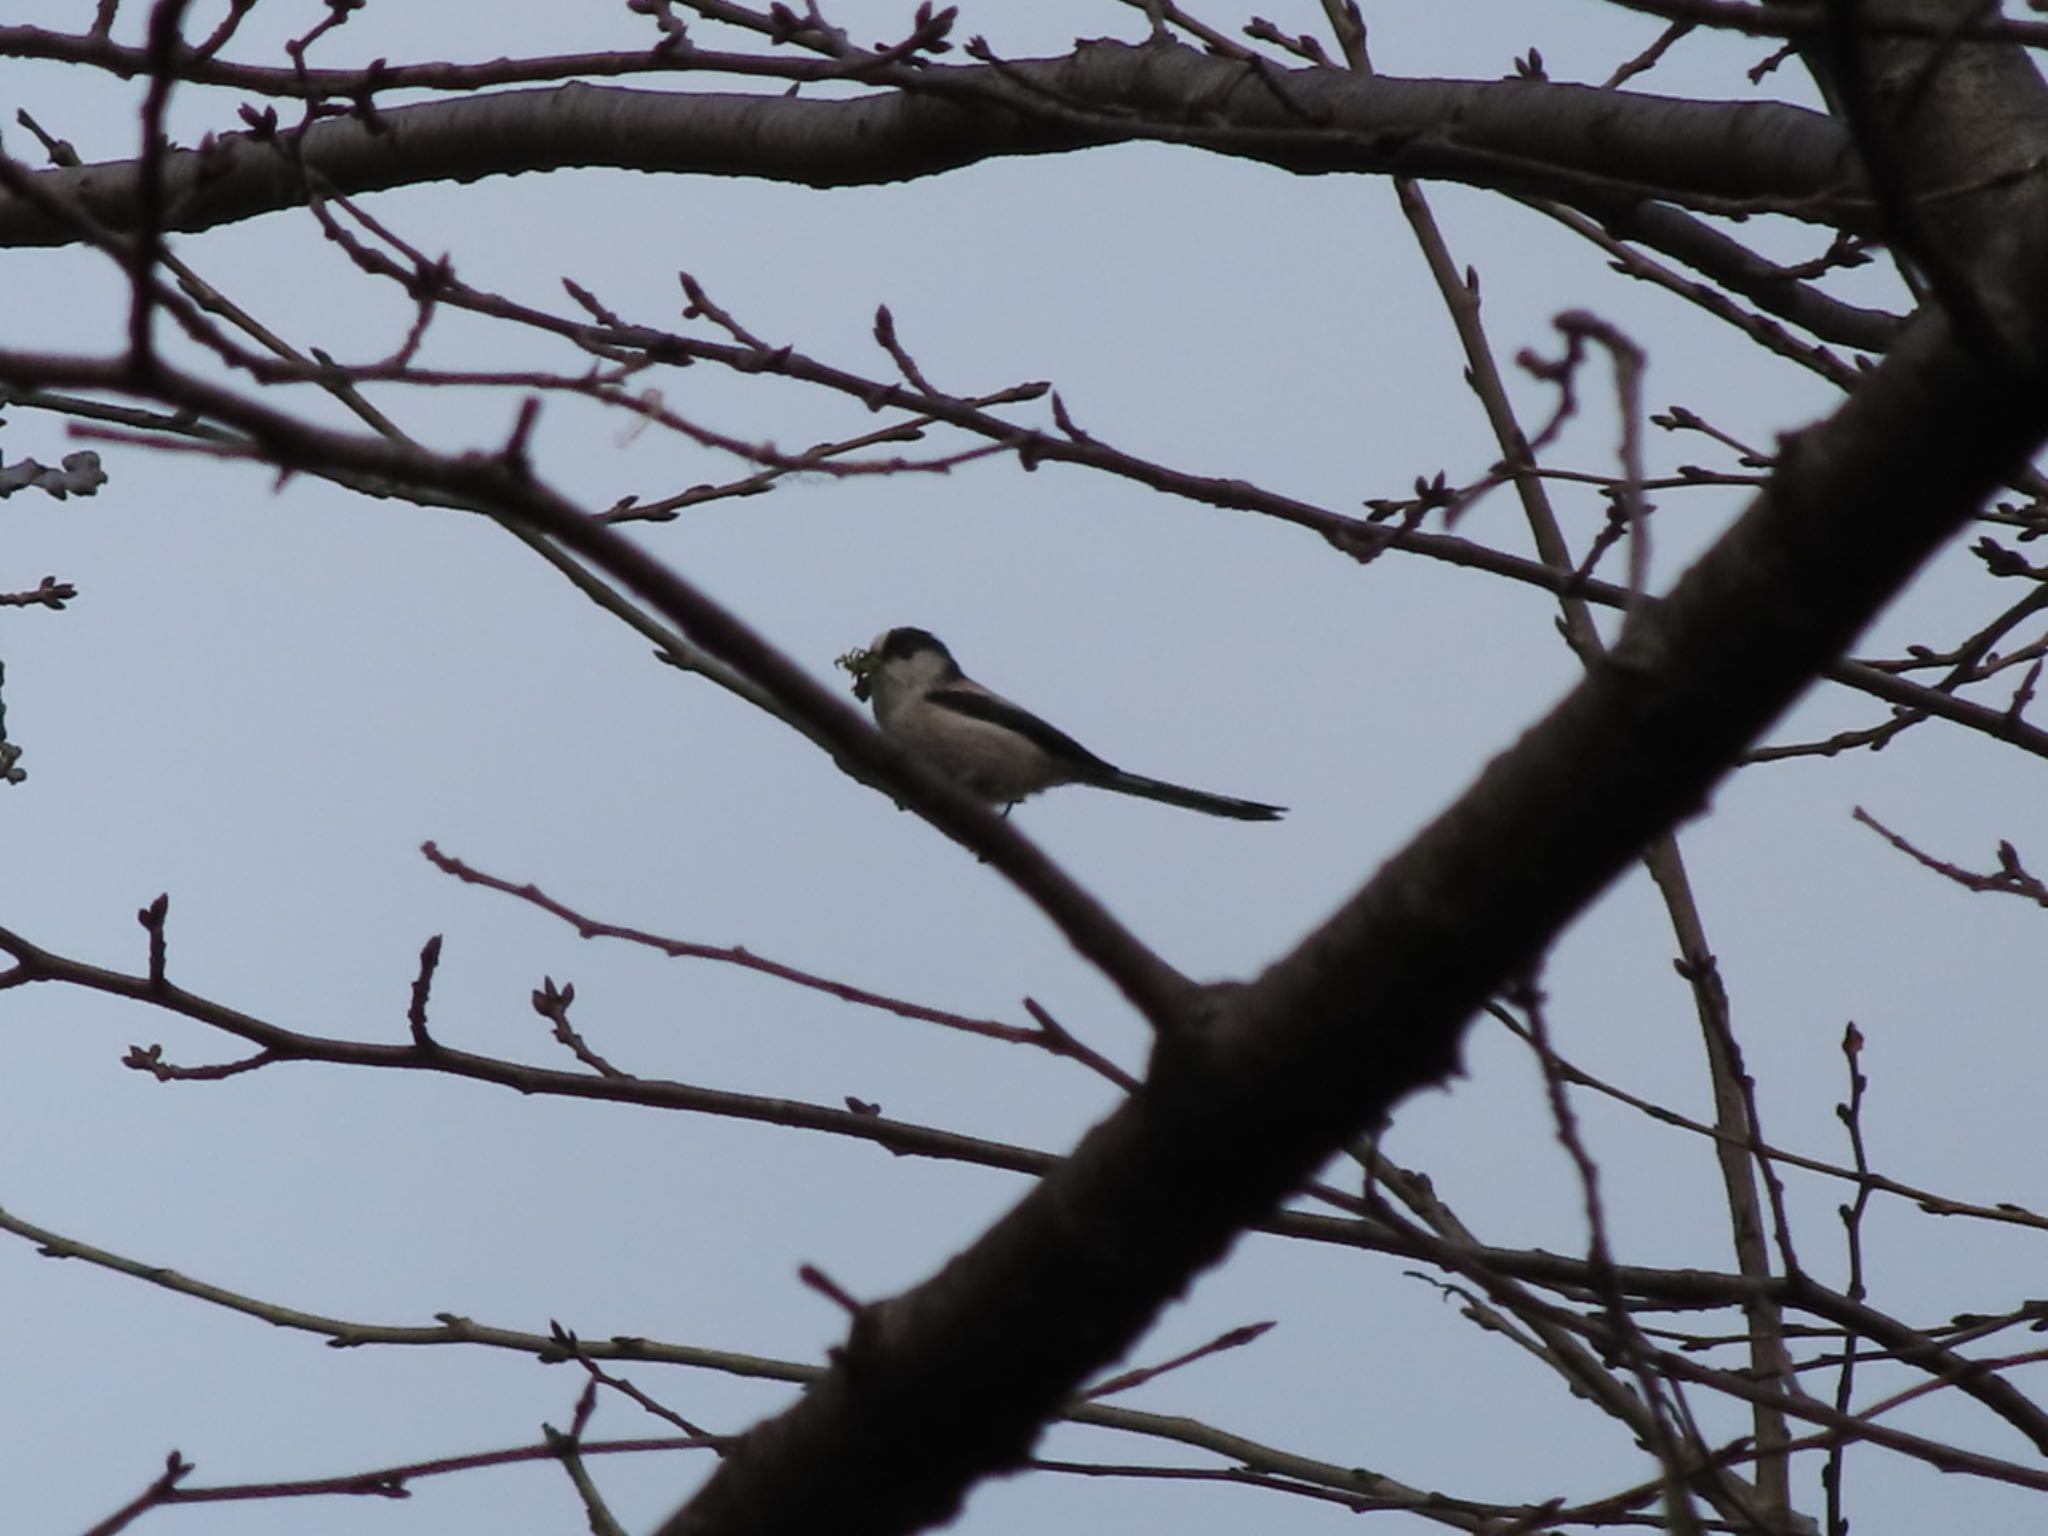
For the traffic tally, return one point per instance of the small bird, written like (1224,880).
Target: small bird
(996,750)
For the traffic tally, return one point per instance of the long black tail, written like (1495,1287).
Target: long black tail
(1192,799)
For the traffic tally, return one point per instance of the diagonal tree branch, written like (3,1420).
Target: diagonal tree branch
(1252,1089)
(1253,1086)
(1241,1108)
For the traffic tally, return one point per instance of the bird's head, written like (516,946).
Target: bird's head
(909,656)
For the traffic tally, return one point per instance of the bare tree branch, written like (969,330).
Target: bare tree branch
(1241,1108)
(1570,143)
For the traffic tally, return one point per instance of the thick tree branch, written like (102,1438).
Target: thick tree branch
(1251,1087)
(1241,1109)
(1577,144)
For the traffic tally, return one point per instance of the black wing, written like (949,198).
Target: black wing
(977,705)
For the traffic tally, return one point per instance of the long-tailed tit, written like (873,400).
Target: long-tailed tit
(991,747)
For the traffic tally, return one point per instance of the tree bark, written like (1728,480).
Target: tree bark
(1575,143)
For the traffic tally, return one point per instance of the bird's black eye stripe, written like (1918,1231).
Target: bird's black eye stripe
(908,642)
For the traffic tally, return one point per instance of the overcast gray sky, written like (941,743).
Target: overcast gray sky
(267,696)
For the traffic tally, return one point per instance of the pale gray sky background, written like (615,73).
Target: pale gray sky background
(265,698)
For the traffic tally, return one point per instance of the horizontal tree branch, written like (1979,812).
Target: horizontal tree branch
(1577,144)
(453,1329)
(276,1045)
